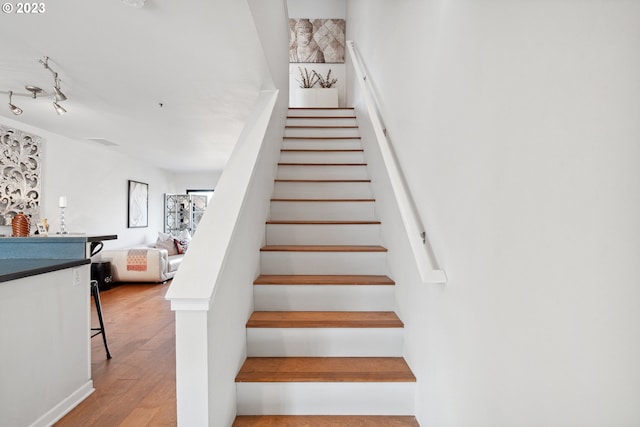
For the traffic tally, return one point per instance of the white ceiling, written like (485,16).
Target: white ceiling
(171,82)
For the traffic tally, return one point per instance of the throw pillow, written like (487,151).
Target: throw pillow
(181,245)
(184,235)
(182,241)
(165,241)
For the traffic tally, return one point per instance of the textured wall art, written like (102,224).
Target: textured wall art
(20,172)
(316,40)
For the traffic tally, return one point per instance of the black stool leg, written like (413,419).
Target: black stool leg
(95,292)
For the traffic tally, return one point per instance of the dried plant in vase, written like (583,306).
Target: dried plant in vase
(327,82)
(309,80)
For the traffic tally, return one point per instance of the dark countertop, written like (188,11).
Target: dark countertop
(101,238)
(12,269)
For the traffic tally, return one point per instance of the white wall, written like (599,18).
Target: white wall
(315,9)
(94,180)
(329,9)
(195,181)
(517,126)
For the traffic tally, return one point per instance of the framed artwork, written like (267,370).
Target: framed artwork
(42,229)
(138,207)
(316,40)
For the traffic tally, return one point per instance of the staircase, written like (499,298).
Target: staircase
(324,344)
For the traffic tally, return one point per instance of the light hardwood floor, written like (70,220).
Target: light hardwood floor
(135,388)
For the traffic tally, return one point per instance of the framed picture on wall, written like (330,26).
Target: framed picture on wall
(138,206)
(316,40)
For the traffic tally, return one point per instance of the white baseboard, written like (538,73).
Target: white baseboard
(65,406)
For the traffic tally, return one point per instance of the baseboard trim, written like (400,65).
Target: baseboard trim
(65,406)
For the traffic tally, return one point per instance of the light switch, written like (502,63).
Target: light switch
(76,276)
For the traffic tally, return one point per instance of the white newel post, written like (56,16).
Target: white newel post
(192,372)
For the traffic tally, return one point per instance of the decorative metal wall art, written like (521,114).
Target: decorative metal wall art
(20,174)
(183,212)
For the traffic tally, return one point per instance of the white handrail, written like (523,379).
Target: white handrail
(424,257)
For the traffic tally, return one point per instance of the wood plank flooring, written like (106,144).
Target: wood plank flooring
(137,387)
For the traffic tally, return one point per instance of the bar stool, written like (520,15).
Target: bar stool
(95,293)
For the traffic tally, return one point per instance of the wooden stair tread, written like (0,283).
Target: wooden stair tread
(322,180)
(325,421)
(320,127)
(321,117)
(321,108)
(323,222)
(322,164)
(321,137)
(323,248)
(321,200)
(325,369)
(322,150)
(311,279)
(324,319)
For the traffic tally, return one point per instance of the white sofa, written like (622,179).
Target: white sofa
(144,264)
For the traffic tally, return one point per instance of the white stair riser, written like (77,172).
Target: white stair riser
(321,112)
(323,234)
(322,172)
(323,262)
(322,157)
(324,342)
(366,398)
(321,144)
(324,297)
(323,190)
(321,132)
(324,121)
(328,211)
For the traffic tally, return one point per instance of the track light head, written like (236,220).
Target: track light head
(56,89)
(59,108)
(58,94)
(14,109)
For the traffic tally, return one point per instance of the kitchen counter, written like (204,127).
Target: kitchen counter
(45,328)
(12,269)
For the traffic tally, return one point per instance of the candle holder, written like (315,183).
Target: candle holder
(63,230)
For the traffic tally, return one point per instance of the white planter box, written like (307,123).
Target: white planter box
(315,98)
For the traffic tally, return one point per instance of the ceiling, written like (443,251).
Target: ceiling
(170,82)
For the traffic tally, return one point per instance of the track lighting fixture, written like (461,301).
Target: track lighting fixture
(35,91)
(15,110)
